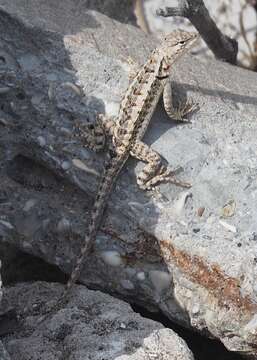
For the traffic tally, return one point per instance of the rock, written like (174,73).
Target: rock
(3,353)
(178,252)
(1,291)
(92,325)
(120,11)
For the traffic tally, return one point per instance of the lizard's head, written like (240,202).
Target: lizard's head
(177,43)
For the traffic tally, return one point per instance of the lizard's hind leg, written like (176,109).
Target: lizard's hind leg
(154,172)
(94,135)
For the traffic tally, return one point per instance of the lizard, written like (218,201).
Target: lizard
(126,133)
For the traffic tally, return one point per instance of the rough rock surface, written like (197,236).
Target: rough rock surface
(93,325)
(45,12)
(3,353)
(1,290)
(191,254)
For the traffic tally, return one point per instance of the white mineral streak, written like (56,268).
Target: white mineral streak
(179,204)
(111,257)
(127,284)
(161,280)
(227,226)
(141,276)
(81,165)
(7,224)
(251,326)
(29,204)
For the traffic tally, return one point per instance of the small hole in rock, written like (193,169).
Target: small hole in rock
(20,96)
(2,60)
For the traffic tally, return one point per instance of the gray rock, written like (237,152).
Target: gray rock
(93,325)
(3,353)
(191,254)
(1,291)
(45,14)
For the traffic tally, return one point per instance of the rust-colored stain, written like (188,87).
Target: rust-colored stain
(225,289)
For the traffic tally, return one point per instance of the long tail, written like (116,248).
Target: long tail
(106,184)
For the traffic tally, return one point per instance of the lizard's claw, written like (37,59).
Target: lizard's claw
(165,176)
(184,109)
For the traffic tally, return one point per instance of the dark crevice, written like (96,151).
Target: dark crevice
(18,266)
(202,347)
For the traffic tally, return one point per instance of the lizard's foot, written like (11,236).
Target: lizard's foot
(184,109)
(94,135)
(154,171)
(91,134)
(165,176)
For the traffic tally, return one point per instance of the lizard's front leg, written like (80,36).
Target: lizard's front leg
(182,110)
(154,172)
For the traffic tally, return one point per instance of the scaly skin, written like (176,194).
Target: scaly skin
(134,116)
(135,113)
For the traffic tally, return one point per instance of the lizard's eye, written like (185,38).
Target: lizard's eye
(182,42)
